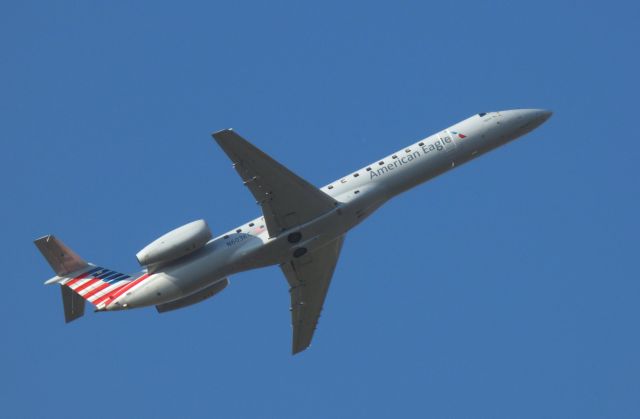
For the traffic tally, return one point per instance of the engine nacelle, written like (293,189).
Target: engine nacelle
(175,244)
(198,297)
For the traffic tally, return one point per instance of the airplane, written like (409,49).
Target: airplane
(302,227)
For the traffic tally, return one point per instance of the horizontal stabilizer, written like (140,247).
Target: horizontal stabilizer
(81,281)
(194,298)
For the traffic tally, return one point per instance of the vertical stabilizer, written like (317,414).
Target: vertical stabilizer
(73,304)
(64,261)
(81,281)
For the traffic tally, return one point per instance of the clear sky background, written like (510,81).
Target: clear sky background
(507,288)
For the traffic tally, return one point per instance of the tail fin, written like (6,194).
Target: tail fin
(80,281)
(73,304)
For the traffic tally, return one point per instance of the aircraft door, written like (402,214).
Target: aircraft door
(449,144)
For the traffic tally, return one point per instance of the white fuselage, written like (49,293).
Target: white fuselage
(358,195)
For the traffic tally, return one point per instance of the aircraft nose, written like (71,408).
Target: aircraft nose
(536,116)
(526,120)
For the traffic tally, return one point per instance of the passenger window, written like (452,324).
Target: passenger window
(330,186)
(226,236)
(394,157)
(481,114)
(238,230)
(251,224)
(421,144)
(357,192)
(356,174)
(381,163)
(408,150)
(368,169)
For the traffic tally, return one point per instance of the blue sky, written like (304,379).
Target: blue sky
(507,288)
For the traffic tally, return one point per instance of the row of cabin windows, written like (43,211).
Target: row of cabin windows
(226,236)
(380,163)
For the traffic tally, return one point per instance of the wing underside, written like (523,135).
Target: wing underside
(286,199)
(309,278)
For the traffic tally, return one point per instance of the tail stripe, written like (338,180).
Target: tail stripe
(80,283)
(89,273)
(106,274)
(116,278)
(110,293)
(90,288)
(98,284)
(99,297)
(112,276)
(81,276)
(99,273)
(96,290)
(131,284)
(86,285)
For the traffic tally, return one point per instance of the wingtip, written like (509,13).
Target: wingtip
(222,131)
(297,349)
(46,237)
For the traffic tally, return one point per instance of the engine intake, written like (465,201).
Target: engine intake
(175,244)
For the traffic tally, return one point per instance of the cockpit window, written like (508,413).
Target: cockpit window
(481,114)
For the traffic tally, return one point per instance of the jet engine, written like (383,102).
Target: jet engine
(175,244)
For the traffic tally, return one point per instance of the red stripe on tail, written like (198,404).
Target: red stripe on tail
(117,292)
(77,278)
(96,290)
(86,285)
(108,295)
(128,286)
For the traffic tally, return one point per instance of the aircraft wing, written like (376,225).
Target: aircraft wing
(286,199)
(309,278)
